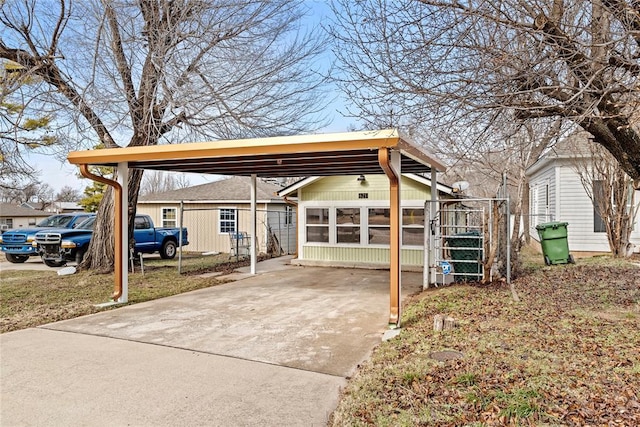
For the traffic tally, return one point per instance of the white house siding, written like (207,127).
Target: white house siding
(203,227)
(572,205)
(541,209)
(347,192)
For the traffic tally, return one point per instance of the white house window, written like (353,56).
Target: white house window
(348,225)
(413,226)
(317,225)
(379,231)
(169,217)
(227,221)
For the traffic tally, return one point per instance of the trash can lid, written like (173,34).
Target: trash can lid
(553,224)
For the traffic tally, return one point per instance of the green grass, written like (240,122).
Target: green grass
(566,354)
(32,298)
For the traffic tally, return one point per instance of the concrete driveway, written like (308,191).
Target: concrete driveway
(267,350)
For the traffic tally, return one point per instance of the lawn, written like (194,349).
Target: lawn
(567,354)
(32,298)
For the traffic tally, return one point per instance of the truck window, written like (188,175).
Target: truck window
(55,221)
(142,223)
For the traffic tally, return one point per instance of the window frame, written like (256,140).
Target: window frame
(227,221)
(164,220)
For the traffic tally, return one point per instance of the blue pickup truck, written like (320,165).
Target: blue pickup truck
(57,247)
(18,243)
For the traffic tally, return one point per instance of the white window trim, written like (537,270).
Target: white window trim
(162,219)
(235,219)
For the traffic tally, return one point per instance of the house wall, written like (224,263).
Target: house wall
(202,223)
(335,192)
(543,200)
(572,205)
(7,223)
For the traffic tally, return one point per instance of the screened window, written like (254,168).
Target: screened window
(227,220)
(348,225)
(317,225)
(169,217)
(379,231)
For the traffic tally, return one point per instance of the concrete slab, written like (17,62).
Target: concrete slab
(52,378)
(271,349)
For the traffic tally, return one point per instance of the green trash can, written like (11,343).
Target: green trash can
(466,255)
(553,239)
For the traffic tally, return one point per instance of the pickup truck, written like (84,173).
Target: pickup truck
(57,247)
(17,244)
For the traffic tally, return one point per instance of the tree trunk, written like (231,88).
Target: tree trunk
(101,253)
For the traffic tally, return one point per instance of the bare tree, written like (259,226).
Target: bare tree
(463,65)
(159,182)
(611,192)
(21,129)
(68,194)
(131,73)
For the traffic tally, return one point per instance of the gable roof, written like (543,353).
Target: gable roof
(14,211)
(233,189)
(576,145)
(293,188)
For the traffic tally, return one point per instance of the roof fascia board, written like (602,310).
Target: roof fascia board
(297,185)
(243,147)
(210,201)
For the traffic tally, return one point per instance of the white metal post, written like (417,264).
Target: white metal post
(122,173)
(253,251)
(432,218)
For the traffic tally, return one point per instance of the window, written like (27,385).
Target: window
(317,225)
(348,225)
(288,216)
(142,223)
(169,217)
(413,226)
(379,232)
(227,221)
(7,223)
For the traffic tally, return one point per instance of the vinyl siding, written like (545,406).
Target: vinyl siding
(202,225)
(344,191)
(573,205)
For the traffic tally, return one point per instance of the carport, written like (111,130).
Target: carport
(352,153)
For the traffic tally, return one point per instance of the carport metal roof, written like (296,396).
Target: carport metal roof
(300,155)
(352,153)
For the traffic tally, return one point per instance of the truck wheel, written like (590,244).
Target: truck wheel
(16,259)
(51,263)
(79,255)
(168,250)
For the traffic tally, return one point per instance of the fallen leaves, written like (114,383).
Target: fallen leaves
(552,359)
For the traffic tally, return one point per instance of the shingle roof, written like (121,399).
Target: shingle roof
(14,211)
(236,188)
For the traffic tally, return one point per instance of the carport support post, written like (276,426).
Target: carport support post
(432,220)
(123,180)
(252,249)
(390,162)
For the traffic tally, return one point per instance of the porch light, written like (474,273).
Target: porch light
(362,179)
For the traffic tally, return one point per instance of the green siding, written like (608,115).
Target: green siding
(360,254)
(376,187)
